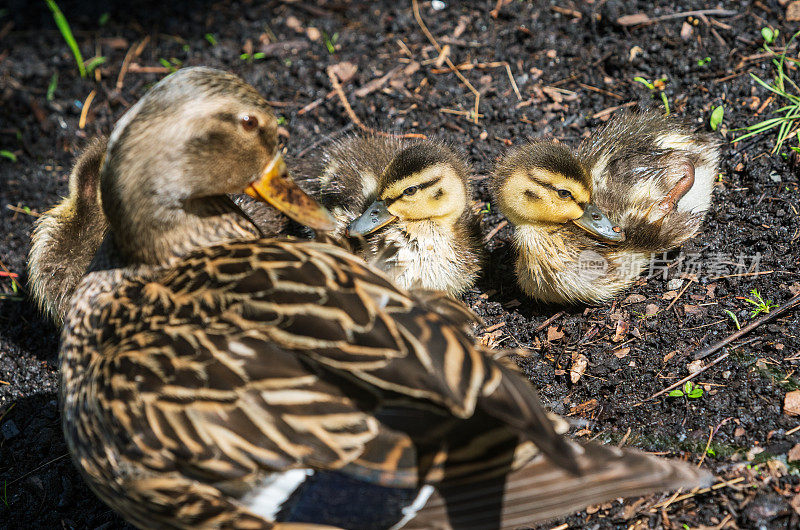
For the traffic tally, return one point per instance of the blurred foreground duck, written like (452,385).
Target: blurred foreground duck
(219,380)
(588,222)
(409,202)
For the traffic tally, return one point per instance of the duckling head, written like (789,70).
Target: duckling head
(195,136)
(424,182)
(544,183)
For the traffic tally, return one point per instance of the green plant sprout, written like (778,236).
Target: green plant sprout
(733,317)
(66,32)
(281,120)
(252,57)
(93,63)
(689,390)
(784,87)
(761,305)
(51,86)
(704,61)
(8,154)
(487,208)
(103,20)
(330,41)
(657,85)
(769,35)
(172,65)
(210,38)
(716,117)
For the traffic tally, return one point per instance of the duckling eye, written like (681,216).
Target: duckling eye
(248,122)
(564,194)
(409,191)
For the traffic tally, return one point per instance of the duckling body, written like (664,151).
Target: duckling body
(430,240)
(218,382)
(651,175)
(65,238)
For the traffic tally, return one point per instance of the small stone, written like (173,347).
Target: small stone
(695,366)
(726,374)
(686,31)
(791,403)
(9,430)
(774,177)
(438,5)
(313,34)
(674,284)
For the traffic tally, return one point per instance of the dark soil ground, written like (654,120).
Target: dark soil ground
(573,64)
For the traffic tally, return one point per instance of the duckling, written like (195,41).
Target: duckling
(218,381)
(65,238)
(588,222)
(410,202)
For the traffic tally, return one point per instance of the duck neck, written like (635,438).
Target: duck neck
(160,231)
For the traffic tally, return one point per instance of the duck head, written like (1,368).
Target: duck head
(426,181)
(545,183)
(195,136)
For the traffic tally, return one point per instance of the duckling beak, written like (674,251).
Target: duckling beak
(599,225)
(374,217)
(275,187)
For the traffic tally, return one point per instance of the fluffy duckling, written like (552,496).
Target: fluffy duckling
(410,201)
(588,222)
(65,238)
(218,381)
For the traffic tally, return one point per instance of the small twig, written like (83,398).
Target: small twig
(549,321)
(85,109)
(34,470)
(609,110)
(432,39)
(337,87)
(685,379)
(702,354)
(715,487)
(23,210)
(494,231)
(133,52)
(691,281)
(13,279)
(711,432)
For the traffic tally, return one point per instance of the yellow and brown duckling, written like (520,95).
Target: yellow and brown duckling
(66,237)
(217,381)
(588,222)
(410,201)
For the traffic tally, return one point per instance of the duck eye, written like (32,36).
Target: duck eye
(411,190)
(249,122)
(564,194)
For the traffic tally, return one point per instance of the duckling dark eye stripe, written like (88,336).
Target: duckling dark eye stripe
(544,184)
(419,187)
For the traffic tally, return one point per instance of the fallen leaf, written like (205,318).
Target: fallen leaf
(794,289)
(794,454)
(632,20)
(650,309)
(634,299)
(621,353)
(553,334)
(621,330)
(690,309)
(739,431)
(583,408)
(793,12)
(670,355)
(669,295)
(795,503)
(579,365)
(791,403)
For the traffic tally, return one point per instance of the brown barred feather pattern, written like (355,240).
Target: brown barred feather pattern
(184,386)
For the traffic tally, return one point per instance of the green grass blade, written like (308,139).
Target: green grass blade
(66,32)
